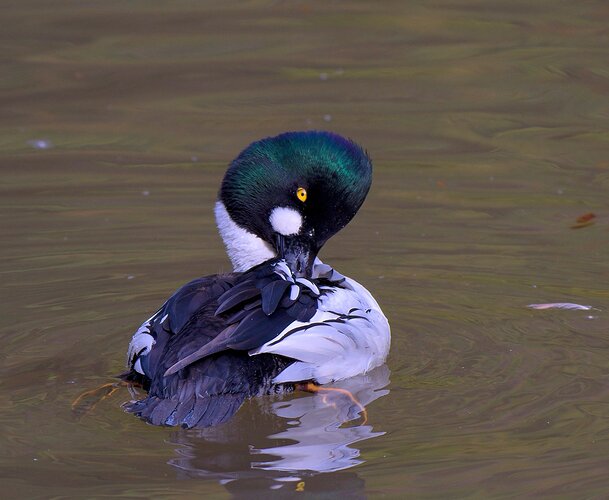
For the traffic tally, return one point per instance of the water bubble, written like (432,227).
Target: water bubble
(40,143)
(327,118)
(323,76)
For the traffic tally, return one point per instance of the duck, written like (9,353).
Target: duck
(282,320)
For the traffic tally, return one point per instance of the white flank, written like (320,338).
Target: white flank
(330,350)
(140,344)
(244,249)
(285,220)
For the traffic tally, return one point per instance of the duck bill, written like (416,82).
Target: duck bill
(298,253)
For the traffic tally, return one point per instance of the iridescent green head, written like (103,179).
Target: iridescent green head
(294,191)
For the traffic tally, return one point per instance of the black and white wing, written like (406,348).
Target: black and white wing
(348,334)
(192,354)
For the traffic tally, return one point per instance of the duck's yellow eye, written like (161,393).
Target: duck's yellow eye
(301,193)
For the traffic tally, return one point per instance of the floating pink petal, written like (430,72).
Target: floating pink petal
(561,305)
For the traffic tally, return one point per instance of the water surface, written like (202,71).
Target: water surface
(487,125)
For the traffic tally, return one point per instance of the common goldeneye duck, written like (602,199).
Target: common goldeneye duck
(282,317)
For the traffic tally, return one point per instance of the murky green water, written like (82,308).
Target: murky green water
(488,125)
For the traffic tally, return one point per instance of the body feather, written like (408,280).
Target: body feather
(282,316)
(202,357)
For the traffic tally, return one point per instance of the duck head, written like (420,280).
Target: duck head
(285,196)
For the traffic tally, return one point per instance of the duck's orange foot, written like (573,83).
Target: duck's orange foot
(88,400)
(313,387)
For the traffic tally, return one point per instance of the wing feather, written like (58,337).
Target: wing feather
(197,351)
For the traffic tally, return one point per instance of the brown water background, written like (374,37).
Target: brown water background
(488,126)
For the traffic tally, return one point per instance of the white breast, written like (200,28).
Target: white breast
(347,336)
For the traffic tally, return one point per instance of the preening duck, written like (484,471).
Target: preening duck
(282,317)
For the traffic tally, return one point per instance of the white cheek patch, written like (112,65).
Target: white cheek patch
(285,221)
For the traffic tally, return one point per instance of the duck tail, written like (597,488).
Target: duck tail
(194,412)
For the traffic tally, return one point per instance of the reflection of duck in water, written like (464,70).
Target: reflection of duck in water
(282,317)
(294,439)
(316,440)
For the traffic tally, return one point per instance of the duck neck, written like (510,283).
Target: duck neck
(244,249)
